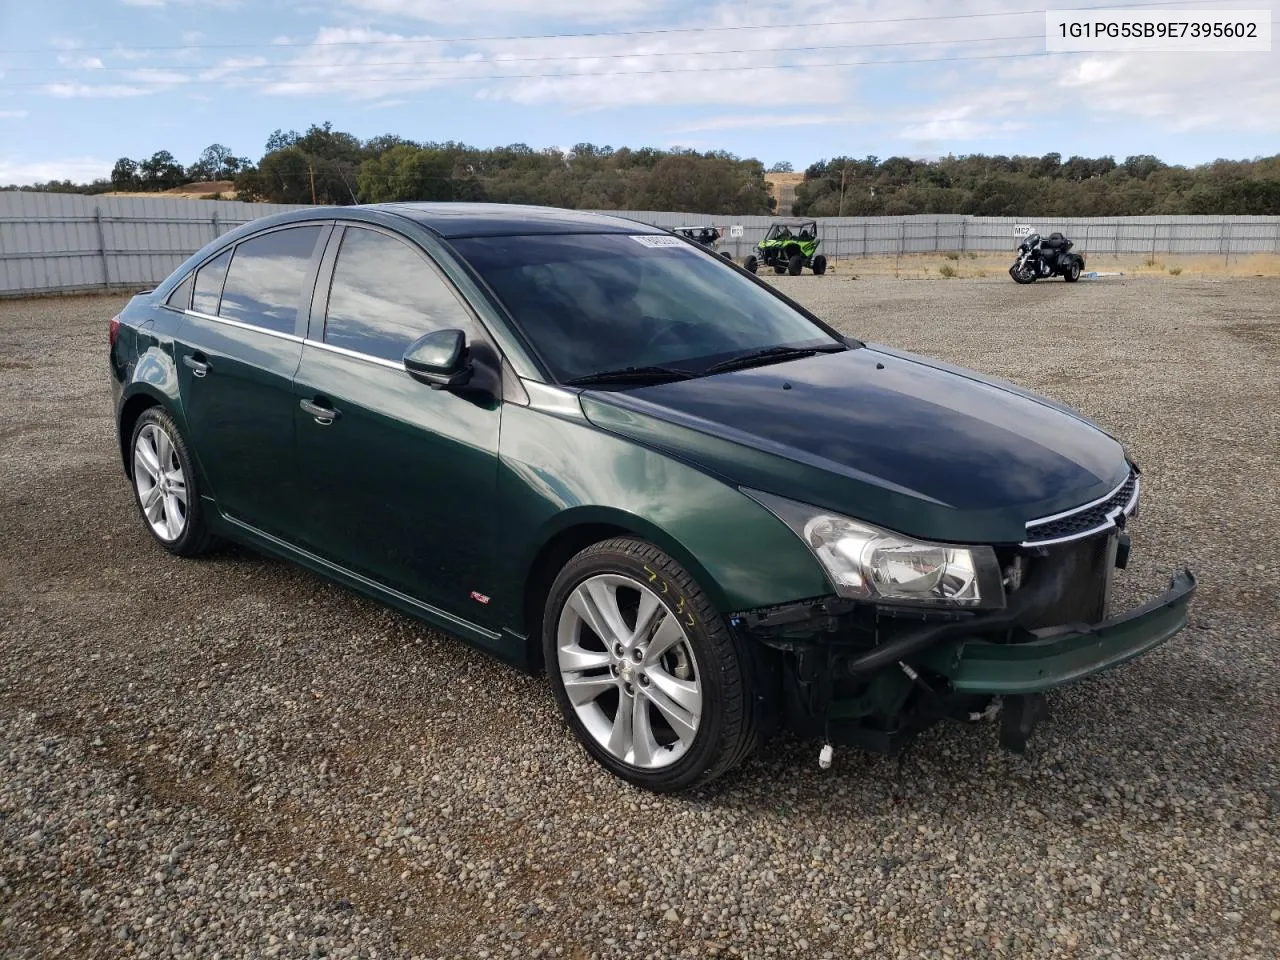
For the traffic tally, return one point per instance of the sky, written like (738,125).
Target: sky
(84,82)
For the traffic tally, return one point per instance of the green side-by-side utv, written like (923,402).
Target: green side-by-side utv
(789,247)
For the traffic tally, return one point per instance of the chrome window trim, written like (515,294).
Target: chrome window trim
(1110,523)
(354,354)
(292,337)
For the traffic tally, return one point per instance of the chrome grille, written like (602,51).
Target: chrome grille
(1086,520)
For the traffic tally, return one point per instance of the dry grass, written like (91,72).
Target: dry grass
(212,190)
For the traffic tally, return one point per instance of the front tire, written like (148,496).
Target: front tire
(644,669)
(1022,276)
(819,265)
(795,264)
(165,485)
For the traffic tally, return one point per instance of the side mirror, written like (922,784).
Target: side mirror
(440,359)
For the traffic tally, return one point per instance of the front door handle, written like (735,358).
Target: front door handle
(199,366)
(324,415)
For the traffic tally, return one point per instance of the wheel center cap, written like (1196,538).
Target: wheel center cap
(628,673)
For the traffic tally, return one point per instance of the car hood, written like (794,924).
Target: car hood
(911,444)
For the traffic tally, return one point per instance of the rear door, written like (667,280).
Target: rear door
(238,350)
(398,480)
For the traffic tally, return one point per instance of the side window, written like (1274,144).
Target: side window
(209,285)
(384,296)
(180,298)
(264,283)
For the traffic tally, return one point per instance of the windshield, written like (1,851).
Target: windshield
(788,231)
(592,303)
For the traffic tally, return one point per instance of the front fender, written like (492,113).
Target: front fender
(560,473)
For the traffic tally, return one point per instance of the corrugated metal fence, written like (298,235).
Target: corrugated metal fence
(57,243)
(60,243)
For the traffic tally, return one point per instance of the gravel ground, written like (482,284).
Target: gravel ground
(231,758)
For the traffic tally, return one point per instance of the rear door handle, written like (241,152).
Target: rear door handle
(324,415)
(199,366)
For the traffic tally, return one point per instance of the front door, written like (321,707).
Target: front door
(398,480)
(237,351)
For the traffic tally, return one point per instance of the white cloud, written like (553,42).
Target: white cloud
(496,11)
(79,169)
(740,121)
(750,72)
(156,78)
(13,114)
(958,128)
(95,90)
(157,4)
(80,62)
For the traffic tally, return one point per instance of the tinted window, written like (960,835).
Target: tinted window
(596,302)
(384,296)
(209,284)
(180,299)
(264,284)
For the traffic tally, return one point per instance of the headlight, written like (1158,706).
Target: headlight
(869,563)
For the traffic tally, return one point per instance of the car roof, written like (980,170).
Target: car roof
(457,220)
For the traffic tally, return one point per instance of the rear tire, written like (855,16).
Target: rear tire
(795,264)
(727,255)
(165,487)
(750,264)
(819,265)
(1073,271)
(664,701)
(779,268)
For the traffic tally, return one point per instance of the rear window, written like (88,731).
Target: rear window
(264,283)
(597,302)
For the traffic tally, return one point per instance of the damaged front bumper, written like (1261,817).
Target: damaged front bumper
(867,677)
(1049,657)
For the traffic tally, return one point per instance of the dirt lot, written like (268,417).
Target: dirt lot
(232,758)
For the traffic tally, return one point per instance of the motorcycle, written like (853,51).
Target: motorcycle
(1046,257)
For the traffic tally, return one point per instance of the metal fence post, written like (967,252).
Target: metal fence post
(216,230)
(102,248)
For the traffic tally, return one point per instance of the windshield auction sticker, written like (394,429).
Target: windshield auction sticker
(1157,30)
(657,240)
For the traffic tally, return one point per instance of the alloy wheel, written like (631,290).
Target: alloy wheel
(160,482)
(629,671)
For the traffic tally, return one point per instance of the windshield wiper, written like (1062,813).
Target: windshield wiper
(758,358)
(649,374)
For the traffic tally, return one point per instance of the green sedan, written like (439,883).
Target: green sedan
(590,447)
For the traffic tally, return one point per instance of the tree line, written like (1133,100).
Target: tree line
(1047,186)
(327,166)
(324,165)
